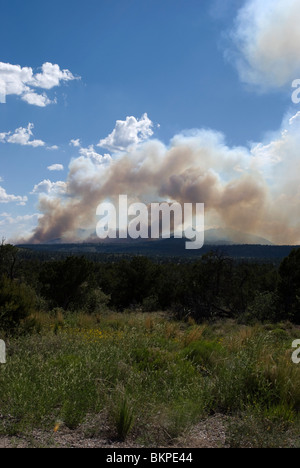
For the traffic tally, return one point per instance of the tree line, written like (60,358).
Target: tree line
(214,286)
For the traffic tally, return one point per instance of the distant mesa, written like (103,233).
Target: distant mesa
(212,237)
(235,244)
(232,237)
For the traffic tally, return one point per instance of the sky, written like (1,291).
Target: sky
(177,100)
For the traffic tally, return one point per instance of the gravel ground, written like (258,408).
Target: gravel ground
(207,434)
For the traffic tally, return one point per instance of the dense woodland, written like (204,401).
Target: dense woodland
(212,287)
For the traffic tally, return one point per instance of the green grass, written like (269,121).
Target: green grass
(151,379)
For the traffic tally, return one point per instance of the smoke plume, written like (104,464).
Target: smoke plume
(266,38)
(255,190)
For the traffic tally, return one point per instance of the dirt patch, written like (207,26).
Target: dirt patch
(210,433)
(207,434)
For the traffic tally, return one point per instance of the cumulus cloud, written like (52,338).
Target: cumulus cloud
(9,219)
(92,154)
(34,99)
(6,198)
(21,136)
(22,82)
(50,188)
(266,38)
(127,133)
(17,228)
(51,76)
(75,143)
(55,167)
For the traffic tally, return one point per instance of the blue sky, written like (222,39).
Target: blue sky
(179,61)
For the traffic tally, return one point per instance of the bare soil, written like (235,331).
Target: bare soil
(207,434)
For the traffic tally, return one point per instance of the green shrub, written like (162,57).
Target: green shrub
(95,302)
(264,307)
(151,359)
(17,302)
(66,283)
(150,304)
(204,354)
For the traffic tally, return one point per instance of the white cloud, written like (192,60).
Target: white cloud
(51,76)
(128,133)
(40,100)
(21,136)
(280,154)
(94,156)
(52,148)
(56,167)
(21,81)
(266,37)
(50,188)
(6,198)
(75,143)
(18,228)
(91,153)
(9,219)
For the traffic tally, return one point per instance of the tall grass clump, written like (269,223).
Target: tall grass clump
(122,416)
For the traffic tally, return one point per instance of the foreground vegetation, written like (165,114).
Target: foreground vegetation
(88,351)
(149,379)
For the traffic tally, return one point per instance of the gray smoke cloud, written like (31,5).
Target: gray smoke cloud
(266,37)
(253,189)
